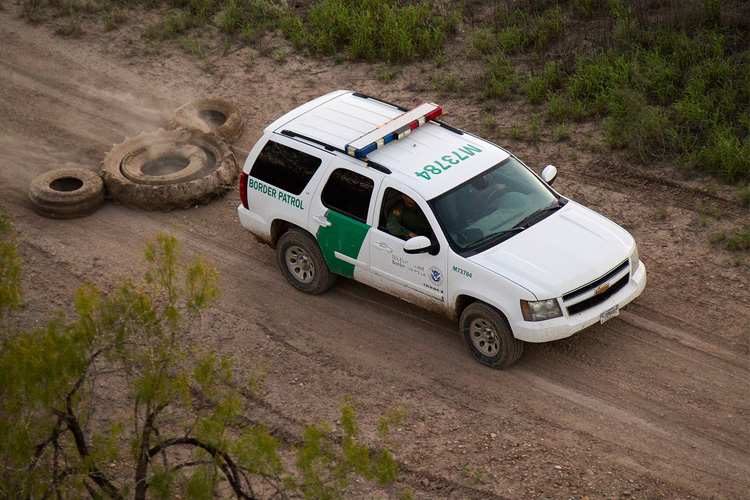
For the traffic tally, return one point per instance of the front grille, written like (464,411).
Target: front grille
(596,284)
(598,299)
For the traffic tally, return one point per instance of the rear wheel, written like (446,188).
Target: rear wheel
(488,336)
(303,263)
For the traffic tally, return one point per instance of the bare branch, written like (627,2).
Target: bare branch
(230,470)
(95,474)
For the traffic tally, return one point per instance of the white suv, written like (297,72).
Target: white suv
(335,184)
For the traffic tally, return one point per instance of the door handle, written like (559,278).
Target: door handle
(321,220)
(384,247)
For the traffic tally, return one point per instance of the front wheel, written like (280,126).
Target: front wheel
(488,336)
(303,263)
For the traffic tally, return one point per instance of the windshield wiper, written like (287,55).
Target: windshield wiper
(527,221)
(501,236)
(521,226)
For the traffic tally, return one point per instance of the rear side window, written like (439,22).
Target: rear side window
(348,193)
(285,167)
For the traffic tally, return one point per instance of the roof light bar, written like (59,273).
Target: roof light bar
(393,130)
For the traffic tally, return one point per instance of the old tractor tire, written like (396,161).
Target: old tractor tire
(168,169)
(66,193)
(216,116)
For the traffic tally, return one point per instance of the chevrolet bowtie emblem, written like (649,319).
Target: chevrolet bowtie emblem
(602,288)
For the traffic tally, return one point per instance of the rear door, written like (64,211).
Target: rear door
(340,215)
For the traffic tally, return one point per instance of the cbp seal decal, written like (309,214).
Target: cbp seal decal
(436,276)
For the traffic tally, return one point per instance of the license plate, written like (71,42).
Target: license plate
(609,314)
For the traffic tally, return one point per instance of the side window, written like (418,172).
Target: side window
(285,167)
(349,193)
(390,200)
(402,217)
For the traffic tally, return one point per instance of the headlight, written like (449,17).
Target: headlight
(634,261)
(540,310)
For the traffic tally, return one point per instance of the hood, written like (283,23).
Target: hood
(570,248)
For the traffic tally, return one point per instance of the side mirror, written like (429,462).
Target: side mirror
(420,244)
(549,174)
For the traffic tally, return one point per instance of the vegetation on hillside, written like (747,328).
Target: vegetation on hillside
(667,80)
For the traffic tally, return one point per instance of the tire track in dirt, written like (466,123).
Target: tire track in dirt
(655,190)
(636,317)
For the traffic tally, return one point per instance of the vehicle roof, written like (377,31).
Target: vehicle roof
(338,118)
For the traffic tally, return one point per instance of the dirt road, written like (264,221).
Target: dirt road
(653,404)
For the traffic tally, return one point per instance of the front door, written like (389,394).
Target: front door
(418,277)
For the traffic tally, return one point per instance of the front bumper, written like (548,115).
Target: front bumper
(565,326)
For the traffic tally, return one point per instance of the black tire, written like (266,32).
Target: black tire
(169,169)
(216,116)
(488,336)
(66,193)
(302,262)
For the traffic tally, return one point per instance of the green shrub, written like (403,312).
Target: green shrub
(536,88)
(483,41)
(499,78)
(255,17)
(725,155)
(375,29)
(561,108)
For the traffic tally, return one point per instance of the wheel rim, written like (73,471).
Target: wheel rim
(484,338)
(300,264)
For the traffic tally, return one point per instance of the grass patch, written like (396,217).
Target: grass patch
(113,18)
(734,239)
(499,79)
(743,195)
(514,31)
(72,28)
(174,23)
(372,29)
(252,18)
(668,85)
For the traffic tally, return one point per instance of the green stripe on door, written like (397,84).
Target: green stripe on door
(345,235)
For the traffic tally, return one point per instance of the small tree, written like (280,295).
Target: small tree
(113,404)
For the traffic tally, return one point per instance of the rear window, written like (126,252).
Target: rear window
(285,167)
(348,193)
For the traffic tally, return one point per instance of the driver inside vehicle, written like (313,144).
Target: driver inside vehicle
(478,198)
(406,220)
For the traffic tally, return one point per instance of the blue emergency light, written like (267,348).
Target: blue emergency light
(393,130)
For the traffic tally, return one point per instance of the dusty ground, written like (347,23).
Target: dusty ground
(653,404)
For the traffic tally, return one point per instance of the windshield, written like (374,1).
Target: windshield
(492,206)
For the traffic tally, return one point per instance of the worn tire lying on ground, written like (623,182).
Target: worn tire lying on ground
(66,193)
(168,169)
(210,116)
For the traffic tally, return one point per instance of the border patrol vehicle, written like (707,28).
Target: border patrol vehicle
(506,255)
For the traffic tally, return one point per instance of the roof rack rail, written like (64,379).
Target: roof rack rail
(378,167)
(328,147)
(449,127)
(365,96)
